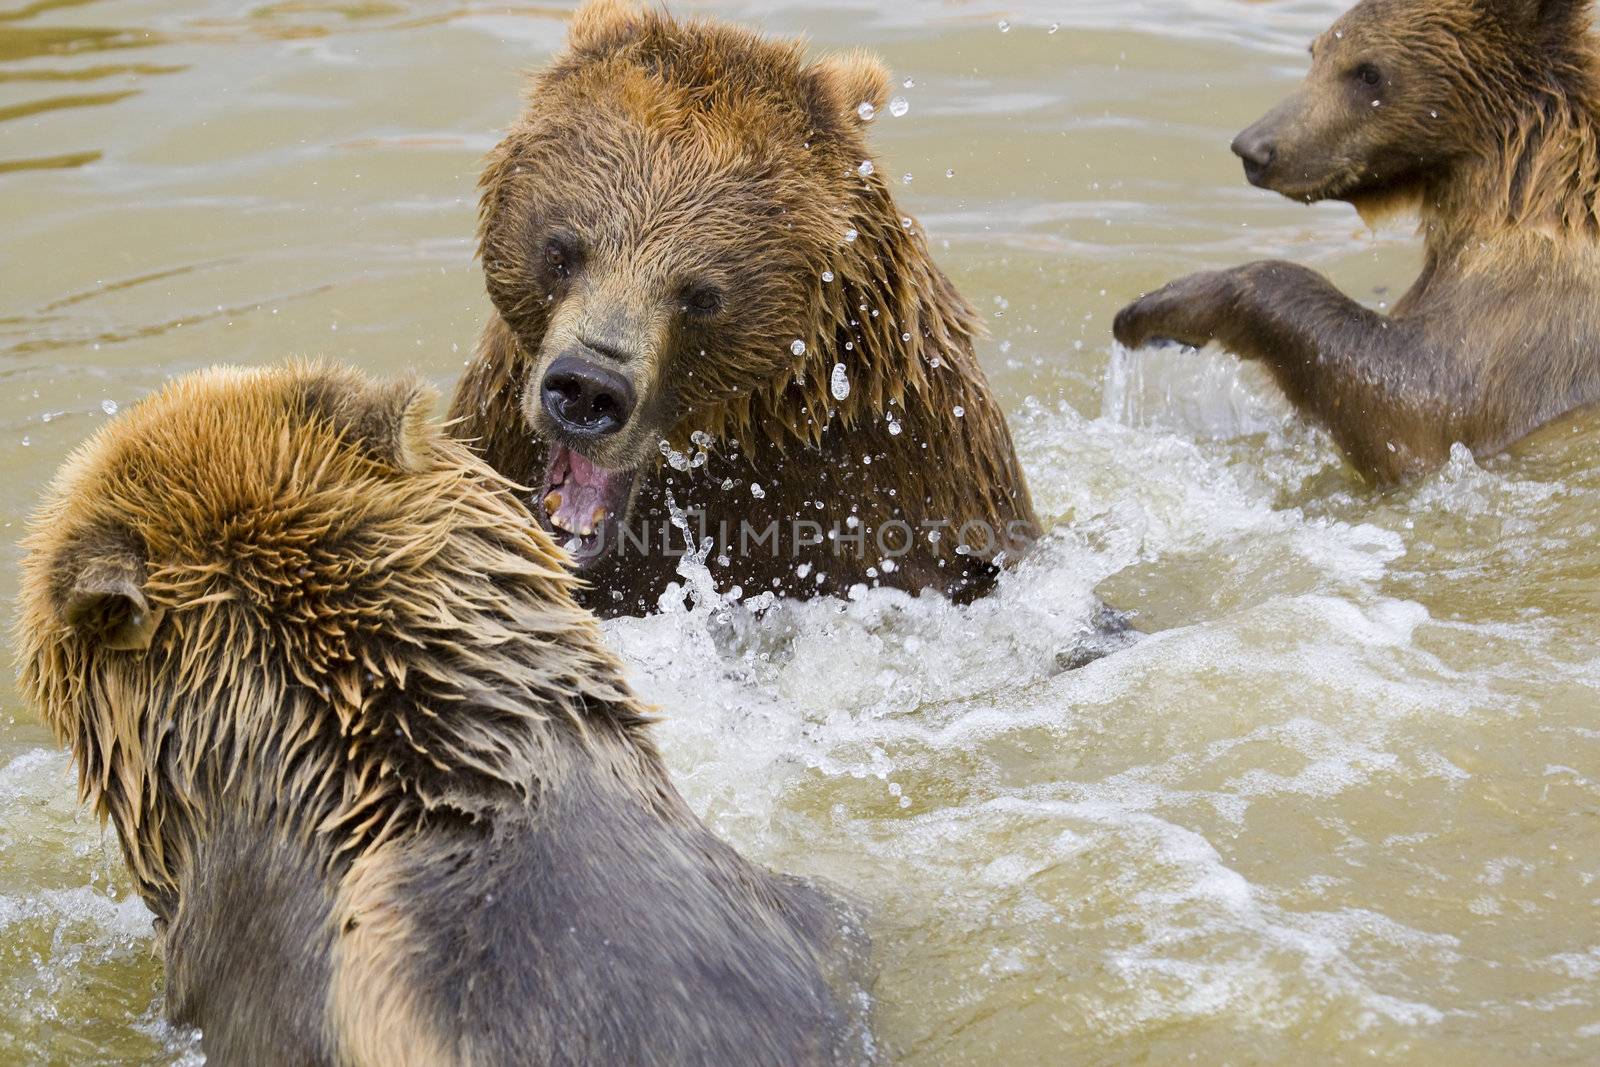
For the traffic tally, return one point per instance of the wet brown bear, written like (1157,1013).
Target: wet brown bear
(387,794)
(1483,115)
(689,254)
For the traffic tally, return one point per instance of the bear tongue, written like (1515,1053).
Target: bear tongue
(579,495)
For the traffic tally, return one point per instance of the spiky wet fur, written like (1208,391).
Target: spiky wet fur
(375,773)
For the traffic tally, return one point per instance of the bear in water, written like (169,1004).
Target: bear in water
(712,321)
(387,793)
(1483,116)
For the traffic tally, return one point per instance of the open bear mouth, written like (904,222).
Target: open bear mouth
(582,504)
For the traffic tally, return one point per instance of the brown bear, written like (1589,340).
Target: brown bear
(387,793)
(1483,116)
(712,324)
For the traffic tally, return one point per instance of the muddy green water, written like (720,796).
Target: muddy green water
(1343,806)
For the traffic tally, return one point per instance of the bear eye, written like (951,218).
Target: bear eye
(702,300)
(1369,74)
(560,257)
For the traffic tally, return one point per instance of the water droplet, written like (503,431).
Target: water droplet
(959,411)
(827,276)
(108,406)
(840,384)
(1377,103)
(899,106)
(850,235)
(798,347)
(950,173)
(866,111)
(756,490)
(905,179)
(894,428)
(1005,27)
(1054,26)
(866,168)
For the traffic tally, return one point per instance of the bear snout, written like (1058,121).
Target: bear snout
(1258,149)
(586,399)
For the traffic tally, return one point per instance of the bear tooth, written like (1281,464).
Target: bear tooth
(552,502)
(599,515)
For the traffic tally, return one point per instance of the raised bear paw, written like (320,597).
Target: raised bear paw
(1189,311)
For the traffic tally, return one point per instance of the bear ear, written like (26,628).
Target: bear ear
(106,602)
(389,421)
(604,22)
(843,83)
(1554,13)
(1540,14)
(393,423)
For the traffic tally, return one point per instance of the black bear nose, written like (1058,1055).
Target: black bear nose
(1257,151)
(586,400)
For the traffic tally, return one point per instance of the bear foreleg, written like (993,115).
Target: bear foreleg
(1367,378)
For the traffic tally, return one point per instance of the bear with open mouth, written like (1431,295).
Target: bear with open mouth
(714,330)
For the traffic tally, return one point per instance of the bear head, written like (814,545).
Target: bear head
(288,594)
(670,236)
(1403,92)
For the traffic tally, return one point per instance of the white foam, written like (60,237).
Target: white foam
(124,920)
